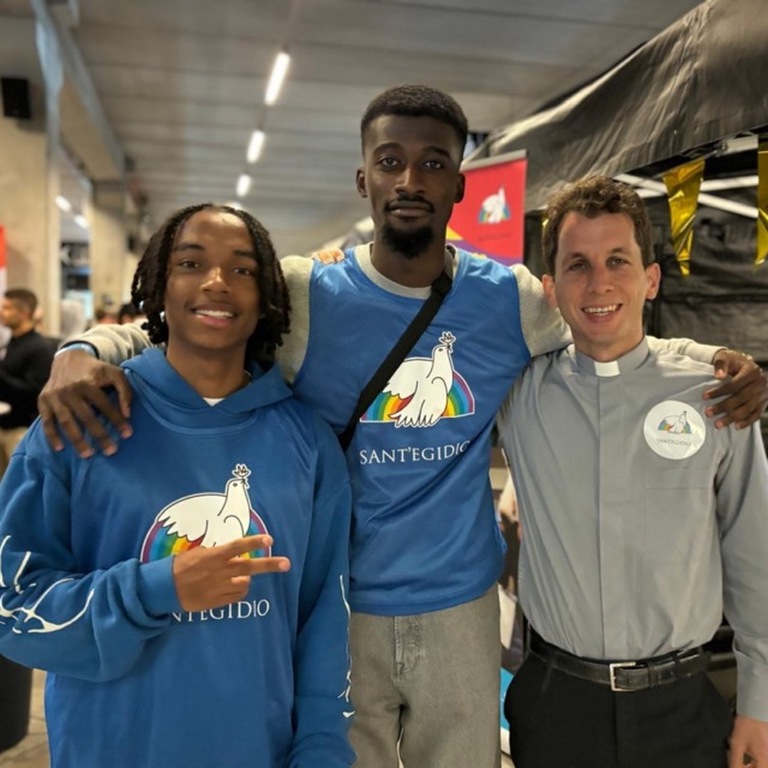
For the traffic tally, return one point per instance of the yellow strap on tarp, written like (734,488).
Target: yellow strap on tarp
(683,184)
(762,200)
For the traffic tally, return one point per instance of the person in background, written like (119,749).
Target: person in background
(129,314)
(426,549)
(188,597)
(641,522)
(24,369)
(104,316)
(72,317)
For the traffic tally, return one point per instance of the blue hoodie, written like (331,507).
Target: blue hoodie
(87,591)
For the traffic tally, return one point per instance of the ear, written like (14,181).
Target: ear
(460,188)
(548,283)
(653,276)
(360,182)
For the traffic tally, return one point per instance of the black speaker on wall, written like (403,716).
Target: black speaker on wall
(16,97)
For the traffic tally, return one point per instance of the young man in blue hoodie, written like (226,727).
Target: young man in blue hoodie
(130,579)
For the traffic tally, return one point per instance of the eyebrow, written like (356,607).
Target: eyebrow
(181,247)
(393,145)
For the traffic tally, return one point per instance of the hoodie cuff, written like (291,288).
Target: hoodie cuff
(157,589)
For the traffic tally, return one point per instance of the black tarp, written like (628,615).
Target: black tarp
(703,79)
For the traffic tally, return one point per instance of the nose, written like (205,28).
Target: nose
(215,280)
(411,180)
(600,280)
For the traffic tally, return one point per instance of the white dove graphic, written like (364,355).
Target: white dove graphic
(495,207)
(215,518)
(427,382)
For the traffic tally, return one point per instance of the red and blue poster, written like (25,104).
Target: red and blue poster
(490,218)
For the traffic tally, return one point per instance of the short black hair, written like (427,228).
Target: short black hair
(592,196)
(149,282)
(24,298)
(127,310)
(418,101)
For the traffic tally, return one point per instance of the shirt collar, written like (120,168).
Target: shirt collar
(624,364)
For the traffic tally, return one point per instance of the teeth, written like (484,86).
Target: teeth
(214,313)
(601,310)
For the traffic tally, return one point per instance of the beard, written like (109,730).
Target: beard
(408,244)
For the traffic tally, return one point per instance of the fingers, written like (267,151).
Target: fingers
(732,362)
(744,398)
(73,404)
(243,545)
(255,565)
(214,576)
(741,405)
(328,255)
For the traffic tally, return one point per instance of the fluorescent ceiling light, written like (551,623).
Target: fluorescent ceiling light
(63,203)
(81,221)
(279,70)
(255,146)
(243,184)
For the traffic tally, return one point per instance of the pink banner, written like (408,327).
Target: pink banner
(490,218)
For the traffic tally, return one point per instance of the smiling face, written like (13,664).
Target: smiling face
(212,294)
(411,176)
(600,284)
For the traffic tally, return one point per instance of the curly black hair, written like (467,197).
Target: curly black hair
(592,196)
(417,101)
(150,278)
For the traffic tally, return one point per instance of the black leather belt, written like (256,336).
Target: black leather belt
(623,675)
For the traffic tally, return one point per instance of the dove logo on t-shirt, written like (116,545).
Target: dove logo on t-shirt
(424,390)
(205,520)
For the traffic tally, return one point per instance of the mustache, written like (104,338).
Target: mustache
(412,199)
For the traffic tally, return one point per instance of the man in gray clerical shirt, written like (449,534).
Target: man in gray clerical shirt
(642,523)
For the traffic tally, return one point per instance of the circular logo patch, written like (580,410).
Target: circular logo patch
(674,430)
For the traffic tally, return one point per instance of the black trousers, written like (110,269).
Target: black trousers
(559,720)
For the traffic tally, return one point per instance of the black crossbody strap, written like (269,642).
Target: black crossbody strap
(440,289)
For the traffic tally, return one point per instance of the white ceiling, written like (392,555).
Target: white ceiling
(182,81)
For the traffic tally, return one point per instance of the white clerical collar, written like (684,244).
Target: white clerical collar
(628,362)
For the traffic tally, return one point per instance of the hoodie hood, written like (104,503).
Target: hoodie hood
(173,401)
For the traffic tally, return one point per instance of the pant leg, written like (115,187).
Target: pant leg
(375,728)
(449,677)
(558,720)
(682,725)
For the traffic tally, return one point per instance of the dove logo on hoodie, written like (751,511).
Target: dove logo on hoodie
(205,520)
(424,390)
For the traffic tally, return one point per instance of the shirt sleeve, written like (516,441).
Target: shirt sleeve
(742,505)
(322,707)
(297,271)
(91,626)
(116,343)
(703,353)
(544,329)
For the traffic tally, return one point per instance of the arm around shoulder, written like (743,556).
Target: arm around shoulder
(544,329)
(114,343)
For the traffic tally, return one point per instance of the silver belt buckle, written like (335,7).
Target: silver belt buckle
(612,673)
